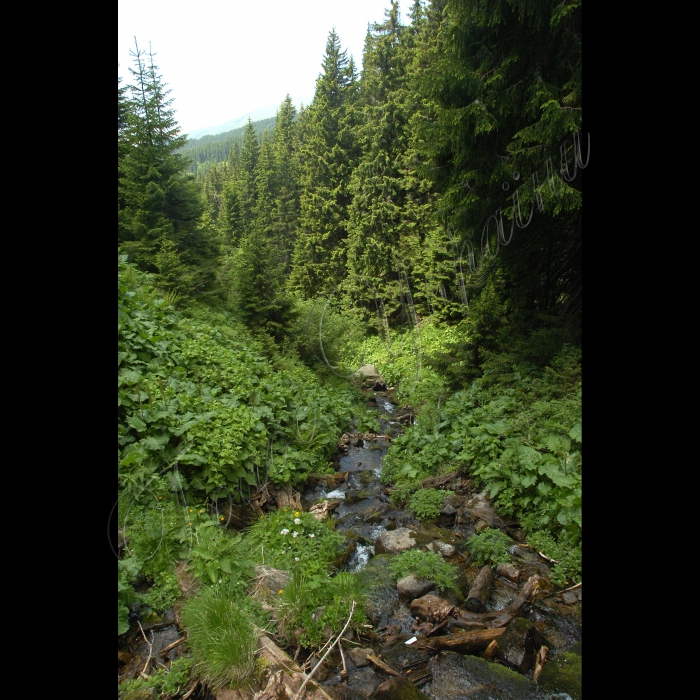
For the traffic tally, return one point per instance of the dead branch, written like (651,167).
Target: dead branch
(462,642)
(300,694)
(172,646)
(190,691)
(570,588)
(381,664)
(539,663)
(143,673)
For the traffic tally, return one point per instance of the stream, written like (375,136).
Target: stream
(365,512)
(366,515)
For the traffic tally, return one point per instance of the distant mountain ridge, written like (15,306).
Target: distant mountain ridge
(255,115)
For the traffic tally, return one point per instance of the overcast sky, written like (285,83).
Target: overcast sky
(224,58)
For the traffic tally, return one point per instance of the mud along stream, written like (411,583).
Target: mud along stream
(524,629)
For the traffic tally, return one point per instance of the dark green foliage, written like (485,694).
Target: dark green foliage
(428,565)
(157,200)
(427,503)
(326,158)
(490,547)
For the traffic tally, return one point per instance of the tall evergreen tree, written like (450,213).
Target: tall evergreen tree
(159,199)
(327,158)
(286,181)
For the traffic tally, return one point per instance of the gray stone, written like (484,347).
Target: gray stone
(569,597)
(359,656)
(412,587)
(447,550)
(364,681)
(395,542)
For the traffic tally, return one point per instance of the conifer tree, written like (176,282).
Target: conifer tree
(327,158)
(286,182)
(159,200)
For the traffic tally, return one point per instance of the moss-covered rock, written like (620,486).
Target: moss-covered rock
(562,674)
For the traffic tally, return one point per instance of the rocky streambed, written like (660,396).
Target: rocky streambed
(429,644)
(524,643)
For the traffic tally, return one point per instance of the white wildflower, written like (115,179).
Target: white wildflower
(296,558)
(311,535)
(295,534)
(285,532)
(297,521)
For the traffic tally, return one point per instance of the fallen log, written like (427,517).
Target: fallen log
(481,590)
(462,642)
(501,618)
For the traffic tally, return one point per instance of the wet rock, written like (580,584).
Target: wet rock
(159,622)
(569,597)
(379,385)
(508,571)
(470,677)
(430,608)
(447,550)
(399,688)
(323,671)
(412,587)
(396,541)
(363,681)
(359,656)
(381,589)
(403,658)
(124,657)
(563,674)
(519,644)
(481,525)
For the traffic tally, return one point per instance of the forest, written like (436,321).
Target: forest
(422,215)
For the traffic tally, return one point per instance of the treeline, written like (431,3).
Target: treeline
(213,149)
(443,180)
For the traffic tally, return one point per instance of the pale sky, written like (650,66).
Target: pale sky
(224,58)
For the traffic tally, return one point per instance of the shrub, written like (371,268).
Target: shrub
(428,565)
(285,538)
(427,503)
(490,547)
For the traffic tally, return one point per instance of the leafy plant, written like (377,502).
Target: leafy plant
(167,682)
(221,636)
(568,563)
(220,557)
(286,538)
(490,547)
(427,503)
(128,571)
(313,608)
(428,565)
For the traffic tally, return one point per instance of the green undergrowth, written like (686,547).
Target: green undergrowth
(427,565)
(516,432)
(427,503)
(207,410)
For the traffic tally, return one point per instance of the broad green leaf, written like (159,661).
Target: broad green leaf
(575,432)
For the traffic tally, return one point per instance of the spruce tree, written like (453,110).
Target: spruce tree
(159,199)
(328,155)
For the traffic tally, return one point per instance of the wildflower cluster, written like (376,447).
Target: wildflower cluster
(285,538)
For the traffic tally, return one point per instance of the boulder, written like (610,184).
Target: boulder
(508,571)
(519,644)
(412,587)
(431,608)
(447,550)
(395,541)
